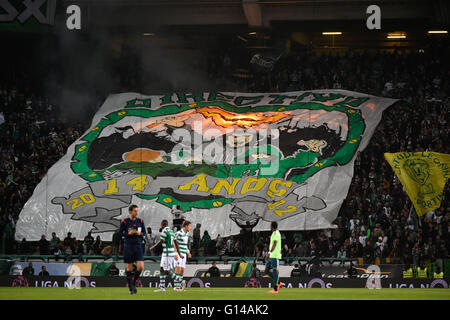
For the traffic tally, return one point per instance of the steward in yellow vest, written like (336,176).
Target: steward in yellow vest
(408,273)
(421,273)
(438,274)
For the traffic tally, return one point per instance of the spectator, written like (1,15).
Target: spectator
(88,243)
(58,252)
(196,237)
(247,238)
(415,253)
(177,217)
(362,239)
(213,271)
(296,272)
(69,241)
(44,272)
(157,251)
(257,253)
(219,244)
(149,242)
(342,254)
(116,242)
(80,250)
(380,244)
(368,253)
(378,255)
(8,238)
(297,237)
(54,243)
(223,250)
(237,250)
(259,245)
(206,239)
(75,245)
(230,245)
(395,255)
(28,271)
(68,252)
(264,253)
(300,250)
(331,251)
(24,248)
(352,253)
(256,273)
(297,241)
(44,246)
(313,251)
(97,246)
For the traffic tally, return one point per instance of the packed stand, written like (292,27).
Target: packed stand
(376,221)
(33,139)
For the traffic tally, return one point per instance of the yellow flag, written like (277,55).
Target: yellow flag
(423,175)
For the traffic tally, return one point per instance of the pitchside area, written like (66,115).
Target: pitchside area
(222,294)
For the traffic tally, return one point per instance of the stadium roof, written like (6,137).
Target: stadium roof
(254,13)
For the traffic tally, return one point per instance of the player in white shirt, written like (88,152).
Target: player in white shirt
(169,255)
(181,239)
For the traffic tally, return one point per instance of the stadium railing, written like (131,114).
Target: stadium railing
(196,260)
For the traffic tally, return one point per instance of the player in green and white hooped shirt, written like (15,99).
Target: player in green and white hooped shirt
(273,257)
(181,239)
(167,239)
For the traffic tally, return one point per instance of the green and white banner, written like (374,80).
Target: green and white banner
(225,159)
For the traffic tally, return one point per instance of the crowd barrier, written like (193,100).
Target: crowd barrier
(224,259)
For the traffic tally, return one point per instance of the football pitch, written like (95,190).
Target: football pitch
(7,293)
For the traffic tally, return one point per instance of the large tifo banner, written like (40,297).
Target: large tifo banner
(225,159)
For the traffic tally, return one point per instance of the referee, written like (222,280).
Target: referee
(133,230)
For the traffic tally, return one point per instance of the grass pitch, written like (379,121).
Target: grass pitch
(7,293)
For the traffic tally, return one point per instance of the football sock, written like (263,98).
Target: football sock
(274,277)
(162,280)
(175,282)
(129,275)
(275,281)
(136,276)
(172,275)
(179,280)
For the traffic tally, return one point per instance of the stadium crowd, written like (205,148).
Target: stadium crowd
(377,219)
(33,139)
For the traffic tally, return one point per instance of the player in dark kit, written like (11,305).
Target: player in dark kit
(133,230)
